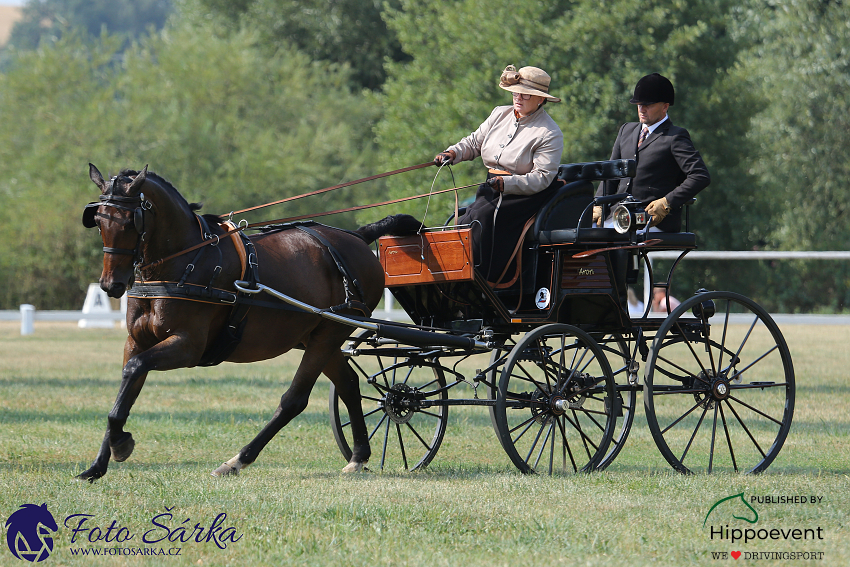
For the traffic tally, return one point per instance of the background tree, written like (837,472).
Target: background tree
(48,20)
(346,32)
(227,124)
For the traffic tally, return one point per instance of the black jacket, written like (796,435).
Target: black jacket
(668,165)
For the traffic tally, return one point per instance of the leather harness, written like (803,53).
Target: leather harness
(231,335)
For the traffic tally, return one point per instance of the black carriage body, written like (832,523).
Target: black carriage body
(554,286)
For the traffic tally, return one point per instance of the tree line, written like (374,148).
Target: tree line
(242,102)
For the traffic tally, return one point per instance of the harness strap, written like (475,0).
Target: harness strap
(343,269)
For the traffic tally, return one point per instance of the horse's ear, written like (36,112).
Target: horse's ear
(97,177)
(139,180)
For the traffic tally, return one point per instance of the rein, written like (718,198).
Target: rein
(296,218)
(340,186)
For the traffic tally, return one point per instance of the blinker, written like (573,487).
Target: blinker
(88,215)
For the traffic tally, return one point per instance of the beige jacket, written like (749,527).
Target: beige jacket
(530,148)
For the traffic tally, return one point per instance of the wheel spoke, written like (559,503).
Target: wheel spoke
(691,348)
(682,458)
(723,339)
(750,435)
(401,446)
(728,438)
(687,372)
(416,433)
(683,416)
(713,436)
(753,363)
(533,445)
(567,446)
(746,338)
(764,415)
(543,445)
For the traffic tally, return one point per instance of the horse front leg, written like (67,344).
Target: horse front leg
(173,352)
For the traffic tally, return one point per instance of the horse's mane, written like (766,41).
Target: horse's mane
(164,183)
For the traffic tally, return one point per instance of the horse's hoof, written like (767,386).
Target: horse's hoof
(225,470)
(90,475)
(229,468)
(122,450)
(355,468)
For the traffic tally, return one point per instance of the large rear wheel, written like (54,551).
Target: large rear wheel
(719,386)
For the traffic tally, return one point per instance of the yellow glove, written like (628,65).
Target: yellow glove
(658,209)
(597,216)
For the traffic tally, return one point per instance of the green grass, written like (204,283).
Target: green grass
(470,507)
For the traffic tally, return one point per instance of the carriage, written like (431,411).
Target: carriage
(566,360)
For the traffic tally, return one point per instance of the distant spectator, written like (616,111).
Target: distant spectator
(636,307)
(658,303)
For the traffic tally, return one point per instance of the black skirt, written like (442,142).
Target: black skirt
(494,242)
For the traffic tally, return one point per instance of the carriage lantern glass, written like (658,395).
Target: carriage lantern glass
(629,215)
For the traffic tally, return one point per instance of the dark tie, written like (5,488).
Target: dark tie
(643,134)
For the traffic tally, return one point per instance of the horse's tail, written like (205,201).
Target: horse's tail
(397,225)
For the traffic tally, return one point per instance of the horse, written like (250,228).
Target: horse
(147,227)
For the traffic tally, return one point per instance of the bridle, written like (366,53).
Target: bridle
(138,205)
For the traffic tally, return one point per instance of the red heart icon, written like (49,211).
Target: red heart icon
(736,554)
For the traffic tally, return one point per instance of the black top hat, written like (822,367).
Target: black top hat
(653,88)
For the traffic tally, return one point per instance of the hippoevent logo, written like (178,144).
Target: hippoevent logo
(30,529)
(724,529)
(734,507)
(29,532)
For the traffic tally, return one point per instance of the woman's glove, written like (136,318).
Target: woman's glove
(497,183)
(658,209)
(443,158)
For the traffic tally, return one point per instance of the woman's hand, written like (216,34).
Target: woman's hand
(443,158)
(497,183)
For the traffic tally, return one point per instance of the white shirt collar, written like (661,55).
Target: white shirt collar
(654,126)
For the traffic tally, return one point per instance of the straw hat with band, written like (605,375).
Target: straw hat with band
(528,80)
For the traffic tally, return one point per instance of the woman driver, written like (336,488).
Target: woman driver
(521,146)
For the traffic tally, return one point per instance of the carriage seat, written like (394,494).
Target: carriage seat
(557,220)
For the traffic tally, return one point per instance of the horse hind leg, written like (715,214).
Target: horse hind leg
(292,403)
(348,390)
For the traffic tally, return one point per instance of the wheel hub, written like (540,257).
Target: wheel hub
(395,406)
(716,388)
(720,389)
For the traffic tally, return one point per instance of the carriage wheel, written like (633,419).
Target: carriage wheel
(401,437)
(626,397)
(552,408)
(719,386)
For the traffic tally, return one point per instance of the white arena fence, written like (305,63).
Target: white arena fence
(27,314)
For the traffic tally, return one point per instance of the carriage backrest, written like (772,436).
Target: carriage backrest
(565,208)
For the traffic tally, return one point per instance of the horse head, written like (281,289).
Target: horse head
(124,216)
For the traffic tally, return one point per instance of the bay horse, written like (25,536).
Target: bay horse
(187,305)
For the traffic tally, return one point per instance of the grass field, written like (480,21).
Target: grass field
(470,507)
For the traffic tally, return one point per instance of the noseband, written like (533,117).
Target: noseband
(138,205)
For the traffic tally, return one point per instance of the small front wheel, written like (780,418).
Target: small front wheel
(405,430)
(554,405)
